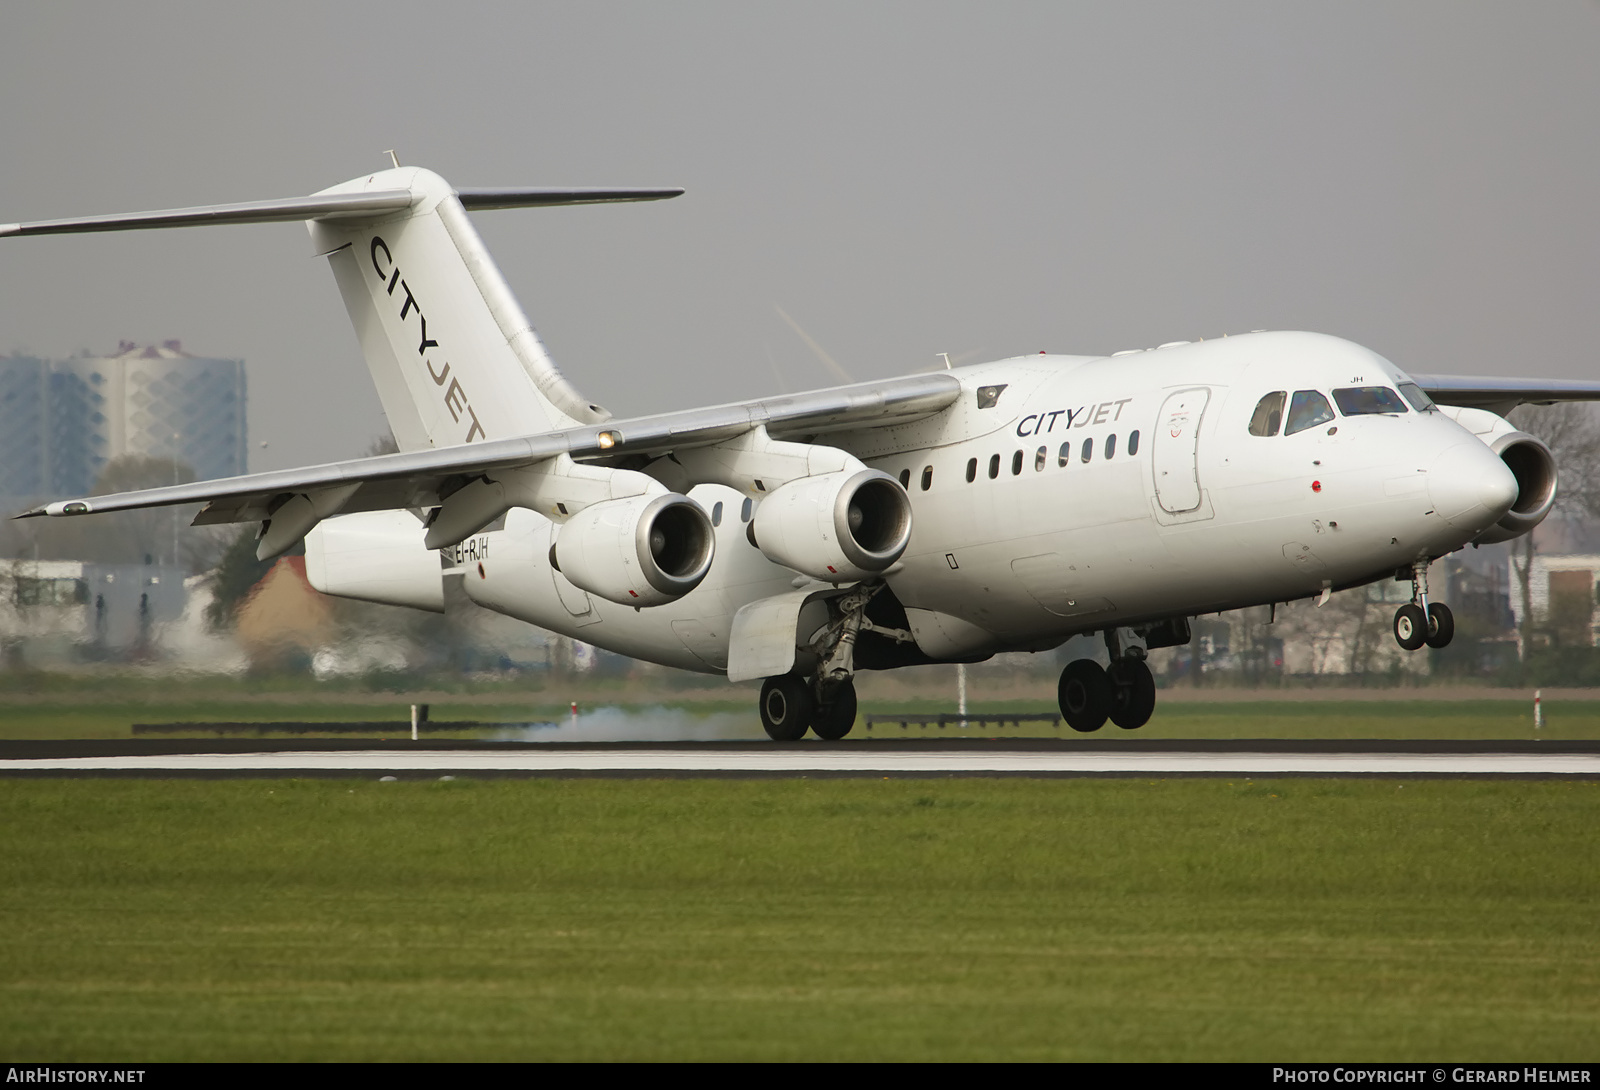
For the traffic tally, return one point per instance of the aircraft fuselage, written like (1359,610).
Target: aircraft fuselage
(1065,494)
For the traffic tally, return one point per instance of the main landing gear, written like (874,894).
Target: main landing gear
(1125,692)
(789,707)
(1419,621)
(825,701)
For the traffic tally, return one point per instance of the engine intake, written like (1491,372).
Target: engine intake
(640,551)
(1534,467)
(836,527)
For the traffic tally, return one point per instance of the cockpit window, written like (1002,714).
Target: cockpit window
(1307,409)
(1368,400)
(1419,400)
(1269,414)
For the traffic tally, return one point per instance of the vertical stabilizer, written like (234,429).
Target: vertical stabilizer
(453,357)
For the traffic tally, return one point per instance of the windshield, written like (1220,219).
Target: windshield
(1307,409)
(1419,400)
(1367,400)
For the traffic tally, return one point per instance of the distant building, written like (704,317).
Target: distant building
(61,421)
(67,608)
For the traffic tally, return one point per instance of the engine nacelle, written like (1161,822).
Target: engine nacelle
(1530,461)
(640,551)
(375,556)
(836,527)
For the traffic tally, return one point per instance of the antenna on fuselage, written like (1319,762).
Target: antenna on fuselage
(946,356)
(392,159)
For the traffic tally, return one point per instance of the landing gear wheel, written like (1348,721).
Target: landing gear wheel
(1441,625)
(1085,695)
(786,707)
(1133,694)
(1410,626)
(833,720)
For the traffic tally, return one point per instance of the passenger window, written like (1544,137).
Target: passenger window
(1307,409)
(927,477)
(1268,414)
(905,477)
(994,466)
(1368,401)
(1064,455)
(1016,463)
(716,513)
(1111,447)
(972,470)
(746,509)
(1133,443)
(1039,459)
(1088,449)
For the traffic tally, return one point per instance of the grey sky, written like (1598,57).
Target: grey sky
(902,179)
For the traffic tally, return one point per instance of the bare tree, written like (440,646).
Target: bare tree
(1573,435)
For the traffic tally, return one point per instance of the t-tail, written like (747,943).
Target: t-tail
(453,357)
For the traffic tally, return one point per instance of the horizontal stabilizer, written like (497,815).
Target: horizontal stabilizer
(328,206)
(478,199)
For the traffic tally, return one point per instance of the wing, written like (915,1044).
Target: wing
(423,478)
(1500,395)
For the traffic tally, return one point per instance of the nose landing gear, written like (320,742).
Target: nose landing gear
(1419,621)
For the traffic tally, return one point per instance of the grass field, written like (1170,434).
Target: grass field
(792,919)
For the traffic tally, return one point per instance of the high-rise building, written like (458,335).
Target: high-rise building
(61,421)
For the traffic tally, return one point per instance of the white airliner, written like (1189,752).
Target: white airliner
(933,518)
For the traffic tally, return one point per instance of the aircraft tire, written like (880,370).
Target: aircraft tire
(1410,626)
(1441,625)
(833,720)
(787,707)
(1085,695)
(1133,694)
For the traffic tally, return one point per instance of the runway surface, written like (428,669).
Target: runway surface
(1047,757)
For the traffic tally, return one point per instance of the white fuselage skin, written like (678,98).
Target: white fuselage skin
(1201,517)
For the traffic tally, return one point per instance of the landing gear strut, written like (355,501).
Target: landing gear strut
(1419,621)
(1125,693)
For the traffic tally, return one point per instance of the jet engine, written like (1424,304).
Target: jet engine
(836,527)
(375,556)
(639,551)
(1530,461)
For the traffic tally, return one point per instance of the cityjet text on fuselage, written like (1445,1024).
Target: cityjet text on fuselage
(455,397)
(1081,417)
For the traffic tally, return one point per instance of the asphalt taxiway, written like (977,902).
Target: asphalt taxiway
(150,758)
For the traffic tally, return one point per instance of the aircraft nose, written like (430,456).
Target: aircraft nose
(1470,486)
